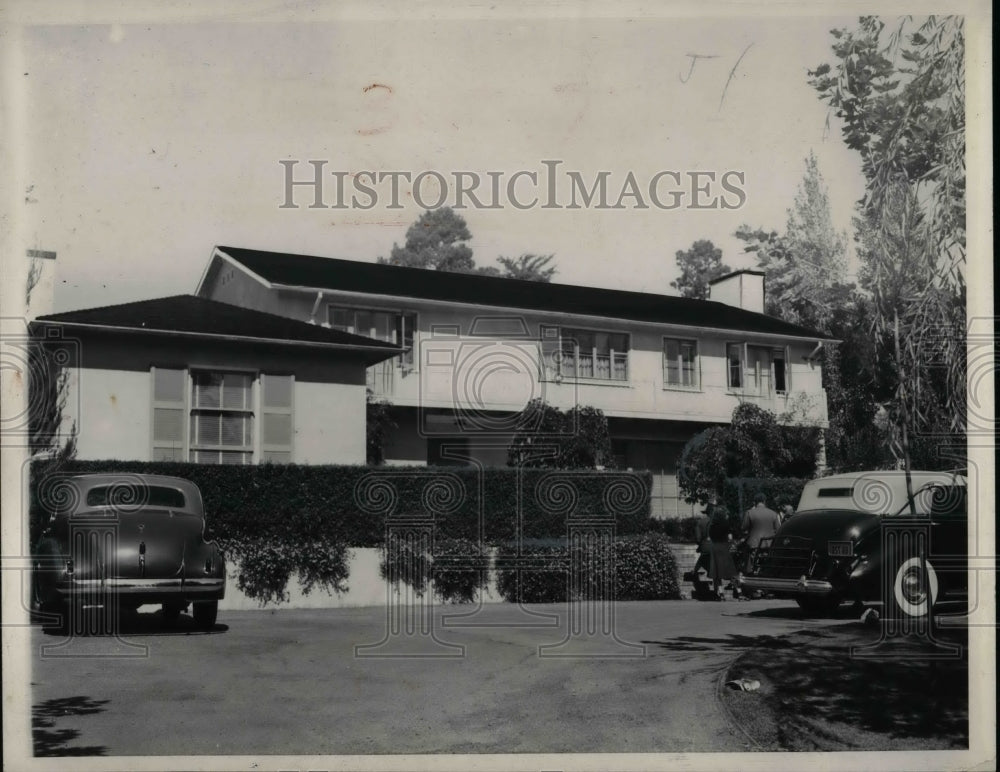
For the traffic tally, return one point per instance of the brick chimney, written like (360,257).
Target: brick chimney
(743,289)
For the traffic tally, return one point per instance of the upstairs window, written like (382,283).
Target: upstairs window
(389,326)
(680,363)
(586,354)
(734,365)
(756,370)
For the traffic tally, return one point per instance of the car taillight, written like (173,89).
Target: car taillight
(208,566)
(69,566)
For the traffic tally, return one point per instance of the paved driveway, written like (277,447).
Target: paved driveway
(290,682)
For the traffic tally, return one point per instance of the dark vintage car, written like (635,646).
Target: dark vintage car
(860,537)
(113,542)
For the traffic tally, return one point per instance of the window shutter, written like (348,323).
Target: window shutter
(277,427)
(169,398)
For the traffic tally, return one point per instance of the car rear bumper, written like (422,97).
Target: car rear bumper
(143,590)
(812,587)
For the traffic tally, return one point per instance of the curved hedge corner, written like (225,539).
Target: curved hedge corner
(645,568)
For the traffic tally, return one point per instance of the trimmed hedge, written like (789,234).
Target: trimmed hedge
(275,520)
(644,569)
(350,504)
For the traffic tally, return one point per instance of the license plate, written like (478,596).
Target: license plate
(841,549)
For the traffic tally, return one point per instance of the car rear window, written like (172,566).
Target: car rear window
(128,495)
(834,493)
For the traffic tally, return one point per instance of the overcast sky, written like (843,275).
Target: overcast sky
(150,143)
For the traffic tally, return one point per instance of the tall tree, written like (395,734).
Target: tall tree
(437,240)
(699,265)
(807,266)
(900,94)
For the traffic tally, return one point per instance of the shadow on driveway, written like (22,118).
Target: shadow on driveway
(49,741)
(815,695)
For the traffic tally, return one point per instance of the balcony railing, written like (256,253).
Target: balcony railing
(604,367)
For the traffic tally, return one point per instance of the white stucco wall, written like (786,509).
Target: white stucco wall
(112,410)
(329,423)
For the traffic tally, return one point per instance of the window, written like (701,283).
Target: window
(680,367)
(217,417)
(591,354)
(150,495)
(756,370)
(780,373)
(221,418)
(388,326)
(734,365)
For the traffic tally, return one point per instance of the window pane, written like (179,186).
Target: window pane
(365,321)
(168,385)
(384,326)
(207,389)
(277,390)
(234,430)
(779,374)
(236,391)
(168,425)
(277,429)
(207,428)
(339,319)
(733,354)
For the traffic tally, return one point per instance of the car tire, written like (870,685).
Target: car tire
(914,588)
(205,613)
(820,607)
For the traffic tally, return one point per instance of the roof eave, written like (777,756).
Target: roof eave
(559,314)
(369,350)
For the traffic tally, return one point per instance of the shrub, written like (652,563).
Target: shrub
(546,581)
(459,568)
(645,568)
(459,583)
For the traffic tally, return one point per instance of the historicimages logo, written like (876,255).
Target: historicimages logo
(547,187)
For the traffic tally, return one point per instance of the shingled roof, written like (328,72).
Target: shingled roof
(325,273)
(191,315)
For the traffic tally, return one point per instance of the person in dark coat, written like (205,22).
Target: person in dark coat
(721,565)
(761,522)
(704,551)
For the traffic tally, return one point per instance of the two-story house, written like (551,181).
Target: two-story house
(478,348)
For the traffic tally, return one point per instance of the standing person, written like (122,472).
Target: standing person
(786,512)
(721,566)
(761,522)
(704,551)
